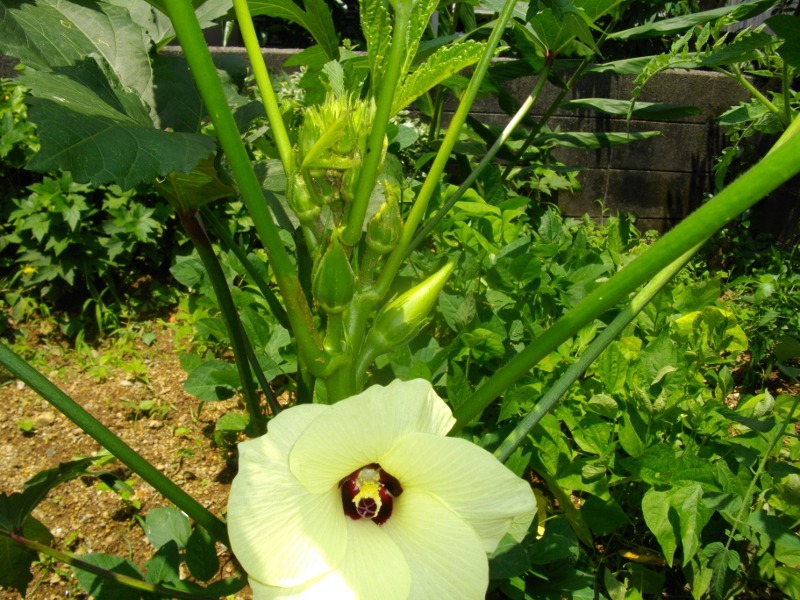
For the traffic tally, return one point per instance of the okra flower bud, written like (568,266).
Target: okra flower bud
(334,282)
(401,319)
(302,200)
(386,226)
(331,144)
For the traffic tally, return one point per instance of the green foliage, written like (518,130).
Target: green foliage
(18,141)
(638,459)
(316,19)
(82,124)
(763,284)
(74,246)
(95,253)
(753,57)
(654,476)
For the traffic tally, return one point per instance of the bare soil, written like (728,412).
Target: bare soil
(176,436)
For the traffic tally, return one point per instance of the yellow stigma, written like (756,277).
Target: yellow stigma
(368,499)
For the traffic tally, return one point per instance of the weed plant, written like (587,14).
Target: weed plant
(92,257)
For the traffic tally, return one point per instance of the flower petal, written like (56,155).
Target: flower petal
(281,533)
(373,567)
(359,430)
(287,425)
(444,554)
(469,480)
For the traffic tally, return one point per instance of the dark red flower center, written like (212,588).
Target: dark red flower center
(369,493)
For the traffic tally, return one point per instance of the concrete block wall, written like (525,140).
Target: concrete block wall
(660,179)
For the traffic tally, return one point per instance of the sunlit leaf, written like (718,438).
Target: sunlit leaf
(50,34)
(377,27)
(445,62)
(420,19)
(201,551)
(99,144)
(744,48)
(100,587)
(167,524)
(656,510)
(213,380)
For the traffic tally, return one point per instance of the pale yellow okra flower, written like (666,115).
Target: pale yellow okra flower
(367,499)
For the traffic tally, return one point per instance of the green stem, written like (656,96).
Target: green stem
(131,582)
(761,467)
(645,295)
(269,296)
(791,131)
(786,83)
(340,383)
(264,84)
(545,117)
(274,305)
(498,143)
(434,178)
(272,401)
(358,314)
(230,316)
(767,175)
(743,81)
(383,111)
(136,463)
(197,54)
(436,118)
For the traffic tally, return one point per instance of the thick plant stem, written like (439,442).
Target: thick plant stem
(434,178)
(383,109)
(131,582)
(136,463)
(198,56)
(264,84)
(639,301)
(230,316)
(490,154)
(767,175)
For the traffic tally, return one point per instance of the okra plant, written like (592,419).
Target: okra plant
(112,107)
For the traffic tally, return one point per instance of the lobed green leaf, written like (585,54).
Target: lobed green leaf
(377,27)
(446,61)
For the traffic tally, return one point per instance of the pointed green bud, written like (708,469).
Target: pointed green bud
(401,319)
(301,200)
(386,226)
(334,282)
(349,183)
